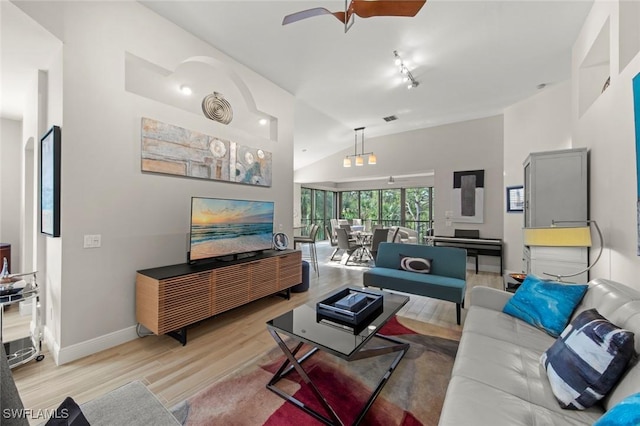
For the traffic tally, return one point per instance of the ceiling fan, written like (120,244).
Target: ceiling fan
(362,8)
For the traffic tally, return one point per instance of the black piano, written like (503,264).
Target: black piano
(475,246)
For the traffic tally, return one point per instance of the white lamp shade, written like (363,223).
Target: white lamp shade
(372,159)
(346,162)
(359,161)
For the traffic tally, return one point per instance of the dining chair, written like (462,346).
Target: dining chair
(333,241)
(311,241)
(379,236)
(345,244)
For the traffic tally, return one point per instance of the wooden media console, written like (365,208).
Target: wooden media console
(170,298)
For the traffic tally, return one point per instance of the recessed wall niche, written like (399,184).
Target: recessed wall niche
(595,70)
(203,75)
(628,31)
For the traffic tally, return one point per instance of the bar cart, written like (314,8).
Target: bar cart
(17,288)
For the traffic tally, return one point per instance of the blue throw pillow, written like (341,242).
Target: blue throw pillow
(547,305)
(587,360)
(624,413)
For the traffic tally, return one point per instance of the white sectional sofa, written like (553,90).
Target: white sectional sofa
(497,377)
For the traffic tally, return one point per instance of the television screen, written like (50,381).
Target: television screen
(222,227)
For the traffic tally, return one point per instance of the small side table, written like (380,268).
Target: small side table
(510,284)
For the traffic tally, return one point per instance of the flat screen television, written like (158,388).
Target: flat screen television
(222,227)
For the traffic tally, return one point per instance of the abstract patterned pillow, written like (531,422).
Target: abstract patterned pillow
(547,305)
(587,360)
(415,264)
(624,413)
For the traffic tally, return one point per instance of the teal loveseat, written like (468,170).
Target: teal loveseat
(446,281)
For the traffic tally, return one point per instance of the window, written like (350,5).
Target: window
(316,206)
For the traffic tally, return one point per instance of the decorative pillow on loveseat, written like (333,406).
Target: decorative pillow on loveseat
(624,413)
(547,305)
(415,264)
(587,360)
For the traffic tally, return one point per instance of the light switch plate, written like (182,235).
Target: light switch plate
(92,241)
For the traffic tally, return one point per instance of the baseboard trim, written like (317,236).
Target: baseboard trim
(51,343)
(92,346)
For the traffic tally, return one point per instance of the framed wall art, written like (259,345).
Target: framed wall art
(468,196)
(515,199)
(50,161)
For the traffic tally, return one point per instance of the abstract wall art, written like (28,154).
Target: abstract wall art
(468,196)
(174,150)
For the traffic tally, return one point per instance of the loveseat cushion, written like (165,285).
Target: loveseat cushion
(430,285)
(547,305)
(587,360)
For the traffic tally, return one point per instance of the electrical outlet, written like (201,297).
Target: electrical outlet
(92,241)
(448,223)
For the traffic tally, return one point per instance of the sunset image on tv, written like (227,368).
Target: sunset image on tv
(222,227)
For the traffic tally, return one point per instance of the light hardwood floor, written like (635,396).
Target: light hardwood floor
(215,346)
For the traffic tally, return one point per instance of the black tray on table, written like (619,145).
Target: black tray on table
(358,319)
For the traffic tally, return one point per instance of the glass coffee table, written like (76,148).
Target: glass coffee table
(303,326)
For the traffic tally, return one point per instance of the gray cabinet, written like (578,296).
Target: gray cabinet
(556,187)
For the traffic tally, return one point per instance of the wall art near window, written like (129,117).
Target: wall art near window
(50,162)
(636,110)
(174,150)
(515,199)
(468,196)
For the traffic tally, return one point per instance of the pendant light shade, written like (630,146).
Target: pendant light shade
(359,157)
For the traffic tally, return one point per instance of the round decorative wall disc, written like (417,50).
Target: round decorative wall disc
(217,108)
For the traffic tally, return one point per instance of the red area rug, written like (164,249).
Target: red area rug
(413,395)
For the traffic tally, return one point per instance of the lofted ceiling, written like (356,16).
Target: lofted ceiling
(472,59)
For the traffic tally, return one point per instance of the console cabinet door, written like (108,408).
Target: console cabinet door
(229,287)
(289,270)
(182,301)
(264,278)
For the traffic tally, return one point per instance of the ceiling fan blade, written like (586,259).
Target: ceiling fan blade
(369,8)
(310,13)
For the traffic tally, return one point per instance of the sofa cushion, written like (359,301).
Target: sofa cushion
(469,402)
(625,413)
(415,264)
(587,360)
(547,305)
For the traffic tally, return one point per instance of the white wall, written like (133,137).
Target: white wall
(143,218)
(607,129)
(540,123)
(468,145)
(10,172)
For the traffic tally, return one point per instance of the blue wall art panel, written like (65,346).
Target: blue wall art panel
(174,150)
(636,110)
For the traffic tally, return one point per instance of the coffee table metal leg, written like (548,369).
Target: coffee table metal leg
(292,363)
(291,359)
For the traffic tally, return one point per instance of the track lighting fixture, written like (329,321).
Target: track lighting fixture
(407,77)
